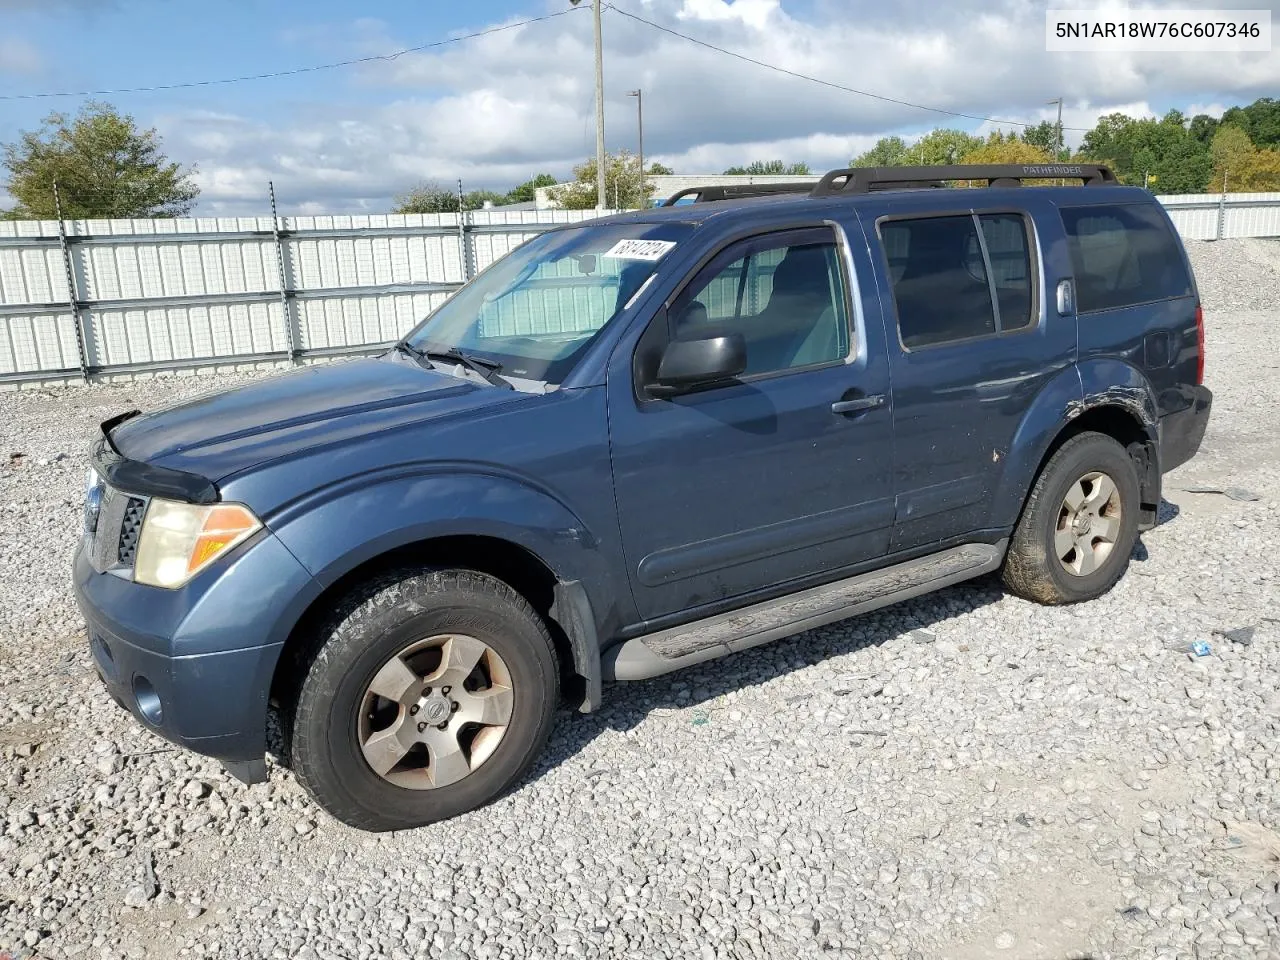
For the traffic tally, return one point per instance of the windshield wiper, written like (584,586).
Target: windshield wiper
(410,350)
(488,369)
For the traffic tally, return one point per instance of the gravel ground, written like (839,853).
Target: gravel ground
(963,776)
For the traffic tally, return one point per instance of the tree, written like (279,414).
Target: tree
(1045,136)
(622,184)
(1007,148)
(935,147)
(527,192)
(660,170)
(887,152)
(769,168)
(942,146)
(1164,149)
(1260,120)
(427,197)
(1001,148)
(1203,127)
(1239,166)
(476,199)
(103,164)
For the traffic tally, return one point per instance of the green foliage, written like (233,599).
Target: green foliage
(1239,165)
(427,197)
(1044,136)
(527,191)
(660,170)
(1163,149)
(887,152)
(622,184)
(769,168)
(935,147)
(942,146)
(430,197)
(103,164)
(1260,120)
(1203,127)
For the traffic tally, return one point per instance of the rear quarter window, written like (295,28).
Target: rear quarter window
(1122,255)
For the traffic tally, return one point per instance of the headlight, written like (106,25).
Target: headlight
(178,540)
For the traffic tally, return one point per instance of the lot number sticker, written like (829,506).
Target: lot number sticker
(639,249)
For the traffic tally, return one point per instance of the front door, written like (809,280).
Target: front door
(782,474)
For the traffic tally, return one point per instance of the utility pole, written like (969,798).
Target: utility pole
(639,95)
(602,198)
(1057,153)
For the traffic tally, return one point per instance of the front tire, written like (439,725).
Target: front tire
(429,694)
(1079,525)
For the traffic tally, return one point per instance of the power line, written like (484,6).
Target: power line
(386,57)
(818,80)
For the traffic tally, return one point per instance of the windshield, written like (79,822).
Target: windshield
(537,310)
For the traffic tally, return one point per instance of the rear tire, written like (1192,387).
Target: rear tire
(356,694)
(1079,525)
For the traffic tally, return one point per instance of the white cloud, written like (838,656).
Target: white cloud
(497,109)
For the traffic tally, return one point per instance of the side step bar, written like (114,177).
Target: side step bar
(676,647)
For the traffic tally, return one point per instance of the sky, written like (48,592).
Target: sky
(497,109)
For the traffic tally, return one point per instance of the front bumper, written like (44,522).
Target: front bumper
(195,665)
(1181,433)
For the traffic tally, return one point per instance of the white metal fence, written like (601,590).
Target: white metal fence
(93,297)
(89,298)
(1200,216)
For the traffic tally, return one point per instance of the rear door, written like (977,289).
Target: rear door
(971,345)
(777,476)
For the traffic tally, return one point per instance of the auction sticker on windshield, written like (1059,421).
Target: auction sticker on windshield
(639,249)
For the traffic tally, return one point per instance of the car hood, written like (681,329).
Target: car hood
(224,433)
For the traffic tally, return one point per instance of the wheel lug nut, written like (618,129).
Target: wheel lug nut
(422,727)
(453,707)
(413,711)
(445,690)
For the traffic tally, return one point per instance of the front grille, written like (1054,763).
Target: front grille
(130,528)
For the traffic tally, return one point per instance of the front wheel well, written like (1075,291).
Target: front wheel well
(1127,430)
(515,566)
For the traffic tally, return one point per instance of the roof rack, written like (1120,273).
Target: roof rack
(854,180)
(867,179)
(736,191)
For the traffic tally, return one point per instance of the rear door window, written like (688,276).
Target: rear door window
(1123,254)
(945,271)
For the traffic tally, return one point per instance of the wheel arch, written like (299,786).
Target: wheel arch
(1110,397)
(554,599)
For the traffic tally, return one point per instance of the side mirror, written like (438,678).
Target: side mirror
(693,363)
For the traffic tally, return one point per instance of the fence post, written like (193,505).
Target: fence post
(73,295)
(286,290)
(1222,207)
(464,246)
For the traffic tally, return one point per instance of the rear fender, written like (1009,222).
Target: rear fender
(1089,386)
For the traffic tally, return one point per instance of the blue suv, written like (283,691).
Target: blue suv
(640,443)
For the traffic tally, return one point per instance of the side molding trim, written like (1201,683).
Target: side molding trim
(682,646)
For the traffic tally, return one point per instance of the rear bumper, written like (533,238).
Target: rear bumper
(195,665)
(1182,432)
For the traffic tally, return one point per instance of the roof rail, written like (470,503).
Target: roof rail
(867,179)
(735,191)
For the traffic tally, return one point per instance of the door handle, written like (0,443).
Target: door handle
(857,404)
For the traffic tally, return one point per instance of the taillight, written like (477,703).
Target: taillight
(1199,345)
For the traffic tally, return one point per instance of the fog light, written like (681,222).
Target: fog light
(148,701)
